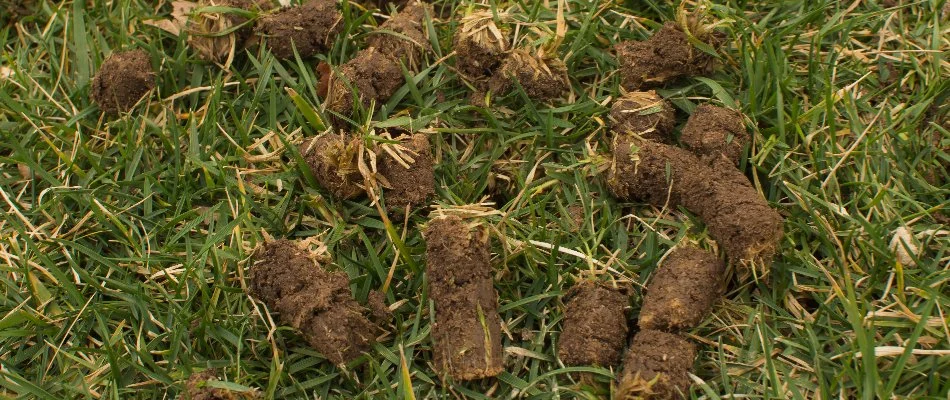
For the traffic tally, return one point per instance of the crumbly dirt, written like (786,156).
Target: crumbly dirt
(653,355)
(291,282)
(332,159)
(645,114)
(467,330)
(373,75)
(713,130)
(408,186)
(595,325)
(683,290)
(403,37)
(311,27)
(207,32)
(196,389)
(378,311)
(123,79)
(737,216)
(665,56)
(480,47)
(542,78)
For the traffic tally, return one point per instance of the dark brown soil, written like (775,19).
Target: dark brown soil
(311,27)
(683,290)
(318,303)
(713,130)
(408,186)
(196,389)
(378,311)
(373,75)
(123,79)
(665,56)
(645,114)
(478,51)
(467,330)
(656,367)
(207,31)
(403,37)
(332,159)
(541,78)
(737,216)
(595,325)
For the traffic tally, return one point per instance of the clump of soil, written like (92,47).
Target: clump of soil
(216,36)
(683,290)
(656,367)
(665,56)
(374,77)
(291,281)
(196,388)
(541,77)
(645,114)
(480,46)
(310,27)
(467,329)
(123,79)
(713,130)
(403,37)
(737,216)
(333,161)
(410,179)
(595,325)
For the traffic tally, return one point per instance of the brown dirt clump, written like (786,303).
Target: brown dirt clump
(123,79)
(542,78)
(713,130)
(291,282)
(410,186)
(737,216)
(373,75)
(403,37)
(196,388)
(645,114)
(467,330)
(683,290)
(595,325)
(310,27)
(480,46)
(665,56)
(333,161)
(214,35)
(656,367)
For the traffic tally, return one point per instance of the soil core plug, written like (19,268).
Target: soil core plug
(310,27)
(645,114)
(656,367)
(595,325)
(715,131)
(665,56)
(123,79)
(682,290)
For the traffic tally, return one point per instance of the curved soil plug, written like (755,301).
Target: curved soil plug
(410,179)
(713,130)
(467,330)
(665,56)
(543,78)
(373,75)
(645,114)
(291,281)
(683,290)
(403,37)
(480,46)
(595,325)
(333,161)
(656,367)
(196,388)
(123,79)
(737,216)
(310,27)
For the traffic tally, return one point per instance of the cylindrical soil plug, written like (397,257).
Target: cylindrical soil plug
(683,290)
(595,325)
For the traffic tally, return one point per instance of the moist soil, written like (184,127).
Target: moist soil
(645,114)
(123,79)
(196,389)
(654,355)
(665,56)
(683,290)
(408,186)
(478,54)
(311,27)
(595,325)
(737,216)
(713,130)
(332,159)
(373,75)
(403,36)
(207,31)
(316,302)
(541,79)
(467,329)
